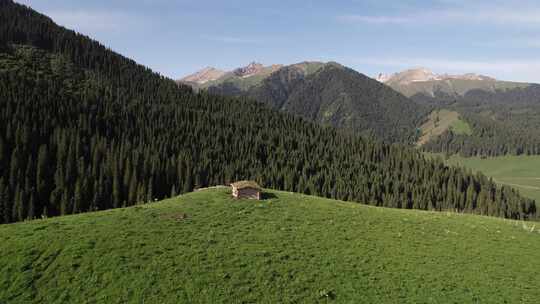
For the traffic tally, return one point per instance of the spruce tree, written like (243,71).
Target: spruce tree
(31,208)
(42,174)
(64,203)
(18,211)
(77,198)
(3,202)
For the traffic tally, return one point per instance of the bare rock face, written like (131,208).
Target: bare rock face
(423,81)
(204,75)
(408,76)
(249,70)
(423,75)
(210,74)
(383,77)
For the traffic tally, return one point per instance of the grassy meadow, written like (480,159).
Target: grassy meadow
(205,247)
(440,121)
(520,172)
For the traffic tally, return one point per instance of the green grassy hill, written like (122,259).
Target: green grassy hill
(441,121)
(205,247)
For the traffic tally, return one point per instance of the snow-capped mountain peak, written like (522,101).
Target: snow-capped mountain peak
(423,74)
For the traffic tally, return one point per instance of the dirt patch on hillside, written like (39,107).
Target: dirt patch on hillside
(439,122)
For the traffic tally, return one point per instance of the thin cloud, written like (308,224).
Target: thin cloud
(499,14)
(495,16)
(374,19)
(233,40)
(512,43)
(533,43)
(96,21)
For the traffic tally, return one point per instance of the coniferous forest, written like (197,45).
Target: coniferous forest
(504,122)
(83,128)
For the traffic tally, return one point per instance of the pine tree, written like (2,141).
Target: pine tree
(141,193)
(188,184)
(132,194)
(150,191)
(77,198)
(3,157)
(14,171)
(3,202)
(116,191)
(173,191)
(42,174)
(31,208)
(470,198)
(64,203)
(18,211)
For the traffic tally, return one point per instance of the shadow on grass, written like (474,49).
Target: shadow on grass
(267,195)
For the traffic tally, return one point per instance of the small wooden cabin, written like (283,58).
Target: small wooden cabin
(246,189)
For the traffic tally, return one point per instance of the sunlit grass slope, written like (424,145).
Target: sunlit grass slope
(439,122)
(520,172)
(205,247)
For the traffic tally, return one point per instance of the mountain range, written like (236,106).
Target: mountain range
(398,108)
(423,81)
(327,93)
(408,82)
(242,77)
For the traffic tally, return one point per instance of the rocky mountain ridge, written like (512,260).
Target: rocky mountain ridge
(423,74)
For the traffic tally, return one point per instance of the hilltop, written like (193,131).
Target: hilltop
(205,247)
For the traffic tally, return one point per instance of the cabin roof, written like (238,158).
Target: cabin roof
(246,184)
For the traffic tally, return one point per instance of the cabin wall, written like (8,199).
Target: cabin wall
(248,193)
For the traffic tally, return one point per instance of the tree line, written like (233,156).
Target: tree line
(503,122)
(83,128)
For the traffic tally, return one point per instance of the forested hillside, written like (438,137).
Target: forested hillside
(338,96)
(83,128)
(503,122)
(332,95)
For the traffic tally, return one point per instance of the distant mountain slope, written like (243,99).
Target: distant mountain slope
(232,84)
(331,94)
(341,97)
(500,117)
(203,76)
(423,81)
(241,78)
(205,247)
(441,121)
(502,122)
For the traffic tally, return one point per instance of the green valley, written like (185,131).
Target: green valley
(520,172)
(205,247)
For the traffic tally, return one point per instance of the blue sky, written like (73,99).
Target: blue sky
(178,37)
